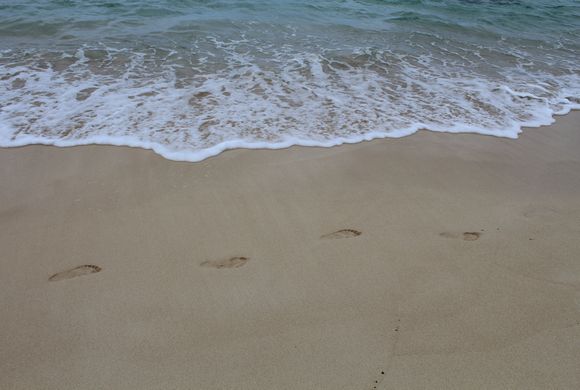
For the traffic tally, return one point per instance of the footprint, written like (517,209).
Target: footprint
(471,236)
(343,233)
(74,272)
(467,236)
(233,262)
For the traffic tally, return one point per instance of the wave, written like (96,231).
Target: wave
(191,107)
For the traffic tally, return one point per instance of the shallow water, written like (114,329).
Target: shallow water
(192,78)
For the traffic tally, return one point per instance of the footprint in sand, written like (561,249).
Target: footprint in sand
(343,233)
(232,262)
(75,272)
(471,236)
(467,236)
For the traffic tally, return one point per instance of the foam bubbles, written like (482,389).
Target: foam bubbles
(241,93)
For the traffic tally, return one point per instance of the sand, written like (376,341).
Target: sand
(437,261)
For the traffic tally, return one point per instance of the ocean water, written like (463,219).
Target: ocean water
(191,78)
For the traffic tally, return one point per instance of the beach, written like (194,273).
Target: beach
(441,261)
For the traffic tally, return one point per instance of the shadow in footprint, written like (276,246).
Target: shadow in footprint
(75,272)
(232,262)
(471,236)
(343,233)
(467,236)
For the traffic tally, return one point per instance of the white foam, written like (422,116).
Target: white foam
(189,109)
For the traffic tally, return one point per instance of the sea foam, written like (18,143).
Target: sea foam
(192,89)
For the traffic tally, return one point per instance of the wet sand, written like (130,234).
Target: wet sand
(435,261)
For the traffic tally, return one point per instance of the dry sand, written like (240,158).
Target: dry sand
(228,274)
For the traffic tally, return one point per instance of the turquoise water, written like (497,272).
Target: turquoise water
(191,78)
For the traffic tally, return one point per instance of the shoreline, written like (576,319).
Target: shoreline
(430,261)
(216,150)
